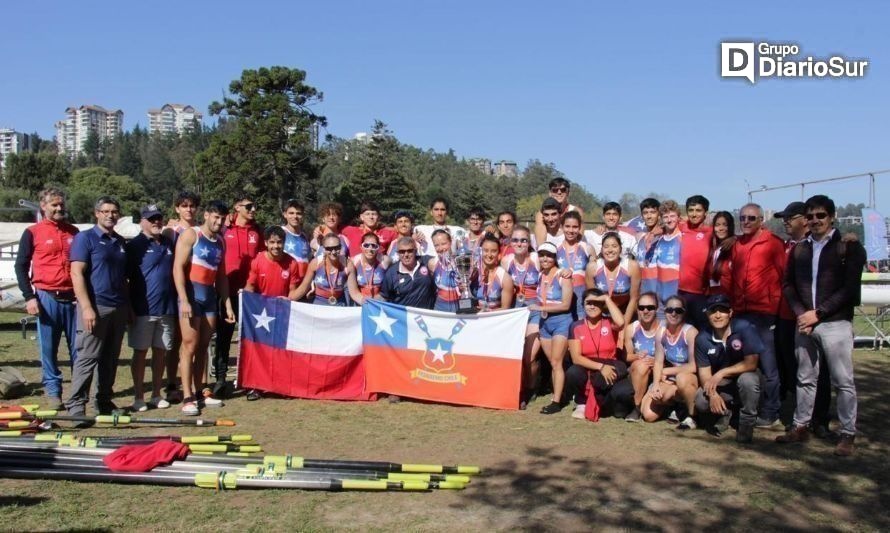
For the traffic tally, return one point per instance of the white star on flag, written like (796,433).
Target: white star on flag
(203,252)
(290,247)
(439,354)
(384,323)
(263,320)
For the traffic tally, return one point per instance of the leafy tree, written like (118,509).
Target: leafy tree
(88,184)
(123,156)
(265,148)
(33,171)
(10,198)
(377,175)
(159,173)
(92,148)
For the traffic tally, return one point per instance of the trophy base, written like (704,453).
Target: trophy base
(466,306)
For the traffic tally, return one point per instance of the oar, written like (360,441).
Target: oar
(249,470)
(115,420)
(218,481)
(41,459)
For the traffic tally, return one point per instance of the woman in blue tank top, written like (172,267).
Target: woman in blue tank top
(555,304)
(673,372)
(639,345)
(444,273)
(327,274)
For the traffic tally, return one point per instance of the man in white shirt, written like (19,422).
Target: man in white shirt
(439,214)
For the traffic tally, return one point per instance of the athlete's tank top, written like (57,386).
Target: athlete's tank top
(676,353)
(369,278)
(574,259)
(525,280)
(207,254)
(490,293)
(619,287)
(644,342)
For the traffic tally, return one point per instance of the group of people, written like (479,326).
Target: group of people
(676,318)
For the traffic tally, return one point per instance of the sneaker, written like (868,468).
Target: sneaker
(822,432)
(745,434)
(578,412)
(190,408)
(551,408)
(53,403)
(220,389)
(673,418)
(139,406)
(158,403)
(846,445)
(106,408)
(174,396)
(634,416)
(253,395)
(687,423)
(767,423)
(796,434)
(208,400)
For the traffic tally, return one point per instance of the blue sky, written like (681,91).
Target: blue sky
(618,98)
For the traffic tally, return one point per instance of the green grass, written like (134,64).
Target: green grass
(541,472)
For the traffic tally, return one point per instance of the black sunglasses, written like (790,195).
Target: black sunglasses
(249,207)
(559,189)
(333,248)
(822,215)
(674,310)
(593,302)
(647,307)
(720,308)
(408,251)
(748,218)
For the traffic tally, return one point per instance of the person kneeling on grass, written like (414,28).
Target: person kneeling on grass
(593,346)
(673,374)
(273,273)
(726,355)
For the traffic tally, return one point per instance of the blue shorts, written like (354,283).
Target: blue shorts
(534,317)
(443,305)
(204,300)
(555,325)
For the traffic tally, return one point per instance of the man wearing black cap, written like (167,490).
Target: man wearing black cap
(726,354)
(153,300)
(795,222)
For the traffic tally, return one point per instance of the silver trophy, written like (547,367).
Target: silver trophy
(463,264)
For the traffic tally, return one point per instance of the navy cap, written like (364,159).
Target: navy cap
(150,211)
(792,209)
(717,300)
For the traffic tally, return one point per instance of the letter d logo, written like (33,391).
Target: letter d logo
(737,60)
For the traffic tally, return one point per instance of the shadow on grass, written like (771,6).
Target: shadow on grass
(20,501)
(763,486)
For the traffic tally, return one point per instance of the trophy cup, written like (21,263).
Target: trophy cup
(463,264)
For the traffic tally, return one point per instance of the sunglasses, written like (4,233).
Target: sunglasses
(822,215)
(370,245)
(719,309)
(674,310)
(515,240)
(249,207)
(333,248)
(158,218)
(748,218)
(408,251)
(559,189)
(593,303)
(647,307)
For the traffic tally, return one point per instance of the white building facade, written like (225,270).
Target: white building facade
(72,132)
(173,118)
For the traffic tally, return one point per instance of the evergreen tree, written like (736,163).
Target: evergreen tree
(378,176)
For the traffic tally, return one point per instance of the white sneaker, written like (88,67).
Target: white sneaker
(579,411)
(158,403)
(687,423)
(673,418)
(138,406)
(190,409)
(210,401)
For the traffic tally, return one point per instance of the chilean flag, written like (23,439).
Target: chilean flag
(301,350)
(444,357)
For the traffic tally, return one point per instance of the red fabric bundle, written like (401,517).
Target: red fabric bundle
(144,457)
(592,407)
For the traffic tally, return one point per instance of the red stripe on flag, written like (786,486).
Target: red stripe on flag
(475,380)
(302,375)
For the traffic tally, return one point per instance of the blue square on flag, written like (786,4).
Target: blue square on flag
(384,324)
(265,320)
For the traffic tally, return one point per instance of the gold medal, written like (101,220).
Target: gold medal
(332,300)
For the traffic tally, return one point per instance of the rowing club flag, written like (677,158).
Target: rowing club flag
(301,350)
(443,357)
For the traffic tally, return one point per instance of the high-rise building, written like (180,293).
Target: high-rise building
(12,142)
(173,118)
(484,165)
(72,132)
